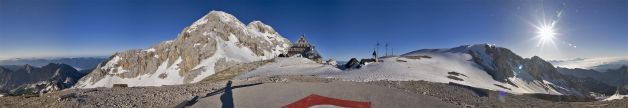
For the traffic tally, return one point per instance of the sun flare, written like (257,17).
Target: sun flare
(546,34)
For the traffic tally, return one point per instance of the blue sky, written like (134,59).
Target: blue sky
(339,28)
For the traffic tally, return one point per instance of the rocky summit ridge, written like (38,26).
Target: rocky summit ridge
(215,42)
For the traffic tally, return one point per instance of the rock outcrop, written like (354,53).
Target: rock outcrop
(211,44)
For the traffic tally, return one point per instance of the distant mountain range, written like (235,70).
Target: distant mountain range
(615,77)
(599,64)
(39,75)
(27,79)
(79,63)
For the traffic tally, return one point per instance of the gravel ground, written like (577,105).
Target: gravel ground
(166,96)
(275,95)
(473,97)
(172,96)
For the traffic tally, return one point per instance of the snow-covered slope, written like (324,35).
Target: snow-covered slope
(213,43)
(482,66)
(615,97)
(521,75)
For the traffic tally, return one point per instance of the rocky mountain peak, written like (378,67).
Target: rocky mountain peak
(52,65)
(222,16)
(536,58)
(28,68)
(213,43)
(261,27)
(471,47)
(539,61)
(214,21)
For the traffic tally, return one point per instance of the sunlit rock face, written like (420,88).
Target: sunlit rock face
(213,43)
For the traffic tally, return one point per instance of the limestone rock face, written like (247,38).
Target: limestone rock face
(212,43)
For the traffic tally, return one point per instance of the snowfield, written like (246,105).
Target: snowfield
(442,67)
(435,69)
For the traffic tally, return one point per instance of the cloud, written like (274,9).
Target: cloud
(599,64)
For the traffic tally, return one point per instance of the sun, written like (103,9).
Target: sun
(546,34)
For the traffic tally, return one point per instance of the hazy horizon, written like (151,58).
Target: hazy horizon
(339,29)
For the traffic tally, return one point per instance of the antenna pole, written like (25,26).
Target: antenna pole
(387,45)
(377,48)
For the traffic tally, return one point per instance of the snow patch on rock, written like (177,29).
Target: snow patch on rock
(615,97)
(149,50)
(170,71)
(223,39)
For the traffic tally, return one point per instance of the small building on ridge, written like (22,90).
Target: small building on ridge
(302,48)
